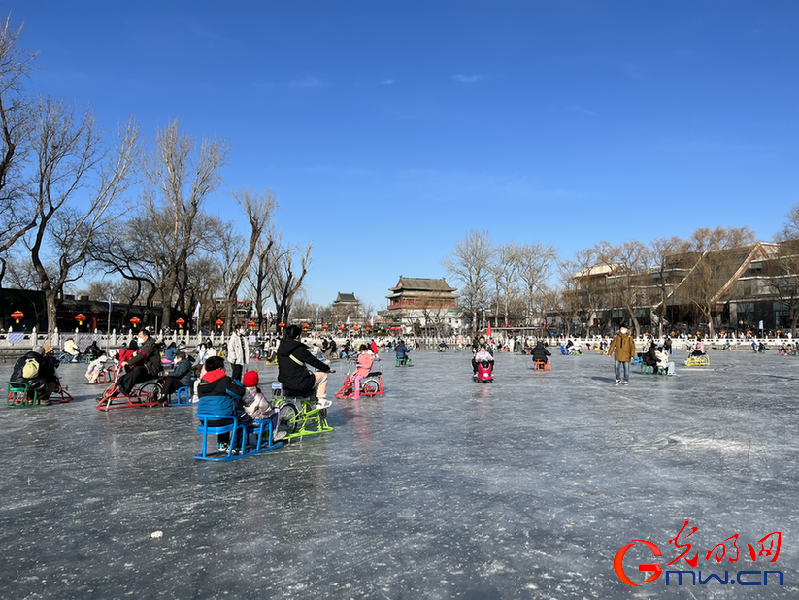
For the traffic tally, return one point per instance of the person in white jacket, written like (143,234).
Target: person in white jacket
(72,348)
(238,352)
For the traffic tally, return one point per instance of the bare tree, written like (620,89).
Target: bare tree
(69,153)
(16,121)
(664,276)
(21,274)
(714,264)
(435,310)
(179,177)
(782,280)
(204,287)
(469,264)
(368,311)
(561,301)
(286,277)
(16,125)
(125,252)
(259,277)
(627,262)
(790,228)
(259,209)
(591,286)
(505,271)
(783,269)
(535,260)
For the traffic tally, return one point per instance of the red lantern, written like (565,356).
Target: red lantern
(356,328)
(17,315)
(281,324)
(219,323)
(306,326)
(341,327)
(80,318)
(324,327)
(180,322)
(135,321)
(251,324)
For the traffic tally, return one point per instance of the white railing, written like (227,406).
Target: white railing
(24,341)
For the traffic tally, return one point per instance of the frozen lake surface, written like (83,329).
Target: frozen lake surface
(443,488)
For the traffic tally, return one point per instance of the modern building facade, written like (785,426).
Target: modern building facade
(732,290)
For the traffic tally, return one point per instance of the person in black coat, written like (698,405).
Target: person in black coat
(45,379)
(649,358)
(540,353)
(93,350)
(144,366)
(292,356)
(180,375)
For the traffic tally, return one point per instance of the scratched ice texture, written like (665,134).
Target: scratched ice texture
(443,488)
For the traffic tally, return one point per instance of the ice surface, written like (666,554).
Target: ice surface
(524,488)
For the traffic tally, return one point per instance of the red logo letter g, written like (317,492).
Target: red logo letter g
(619,568)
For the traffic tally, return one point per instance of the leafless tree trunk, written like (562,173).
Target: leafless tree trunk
(180,178)
(259,209)
(17,216)
(505,265)
(284,280)
(626,261)
(259,278)
(535,260)
(713,266)
(469,264)
(16,121)
(664,280)
(68,154)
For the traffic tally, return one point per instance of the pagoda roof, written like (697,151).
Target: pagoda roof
(346,297)
(422,285)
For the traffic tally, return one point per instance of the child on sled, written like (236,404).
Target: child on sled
(258,407)
(364,366)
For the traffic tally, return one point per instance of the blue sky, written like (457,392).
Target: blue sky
(390,129)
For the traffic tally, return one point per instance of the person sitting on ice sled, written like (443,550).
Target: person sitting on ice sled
(699,348)
(480,345)
(401,350)
(540,353)
(364,366)
(483,354)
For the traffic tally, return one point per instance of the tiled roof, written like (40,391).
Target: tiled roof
(437,285)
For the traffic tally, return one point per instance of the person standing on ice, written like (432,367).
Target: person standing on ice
(624,348)
(238,352)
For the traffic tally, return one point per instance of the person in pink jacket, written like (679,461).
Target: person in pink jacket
(365,361)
